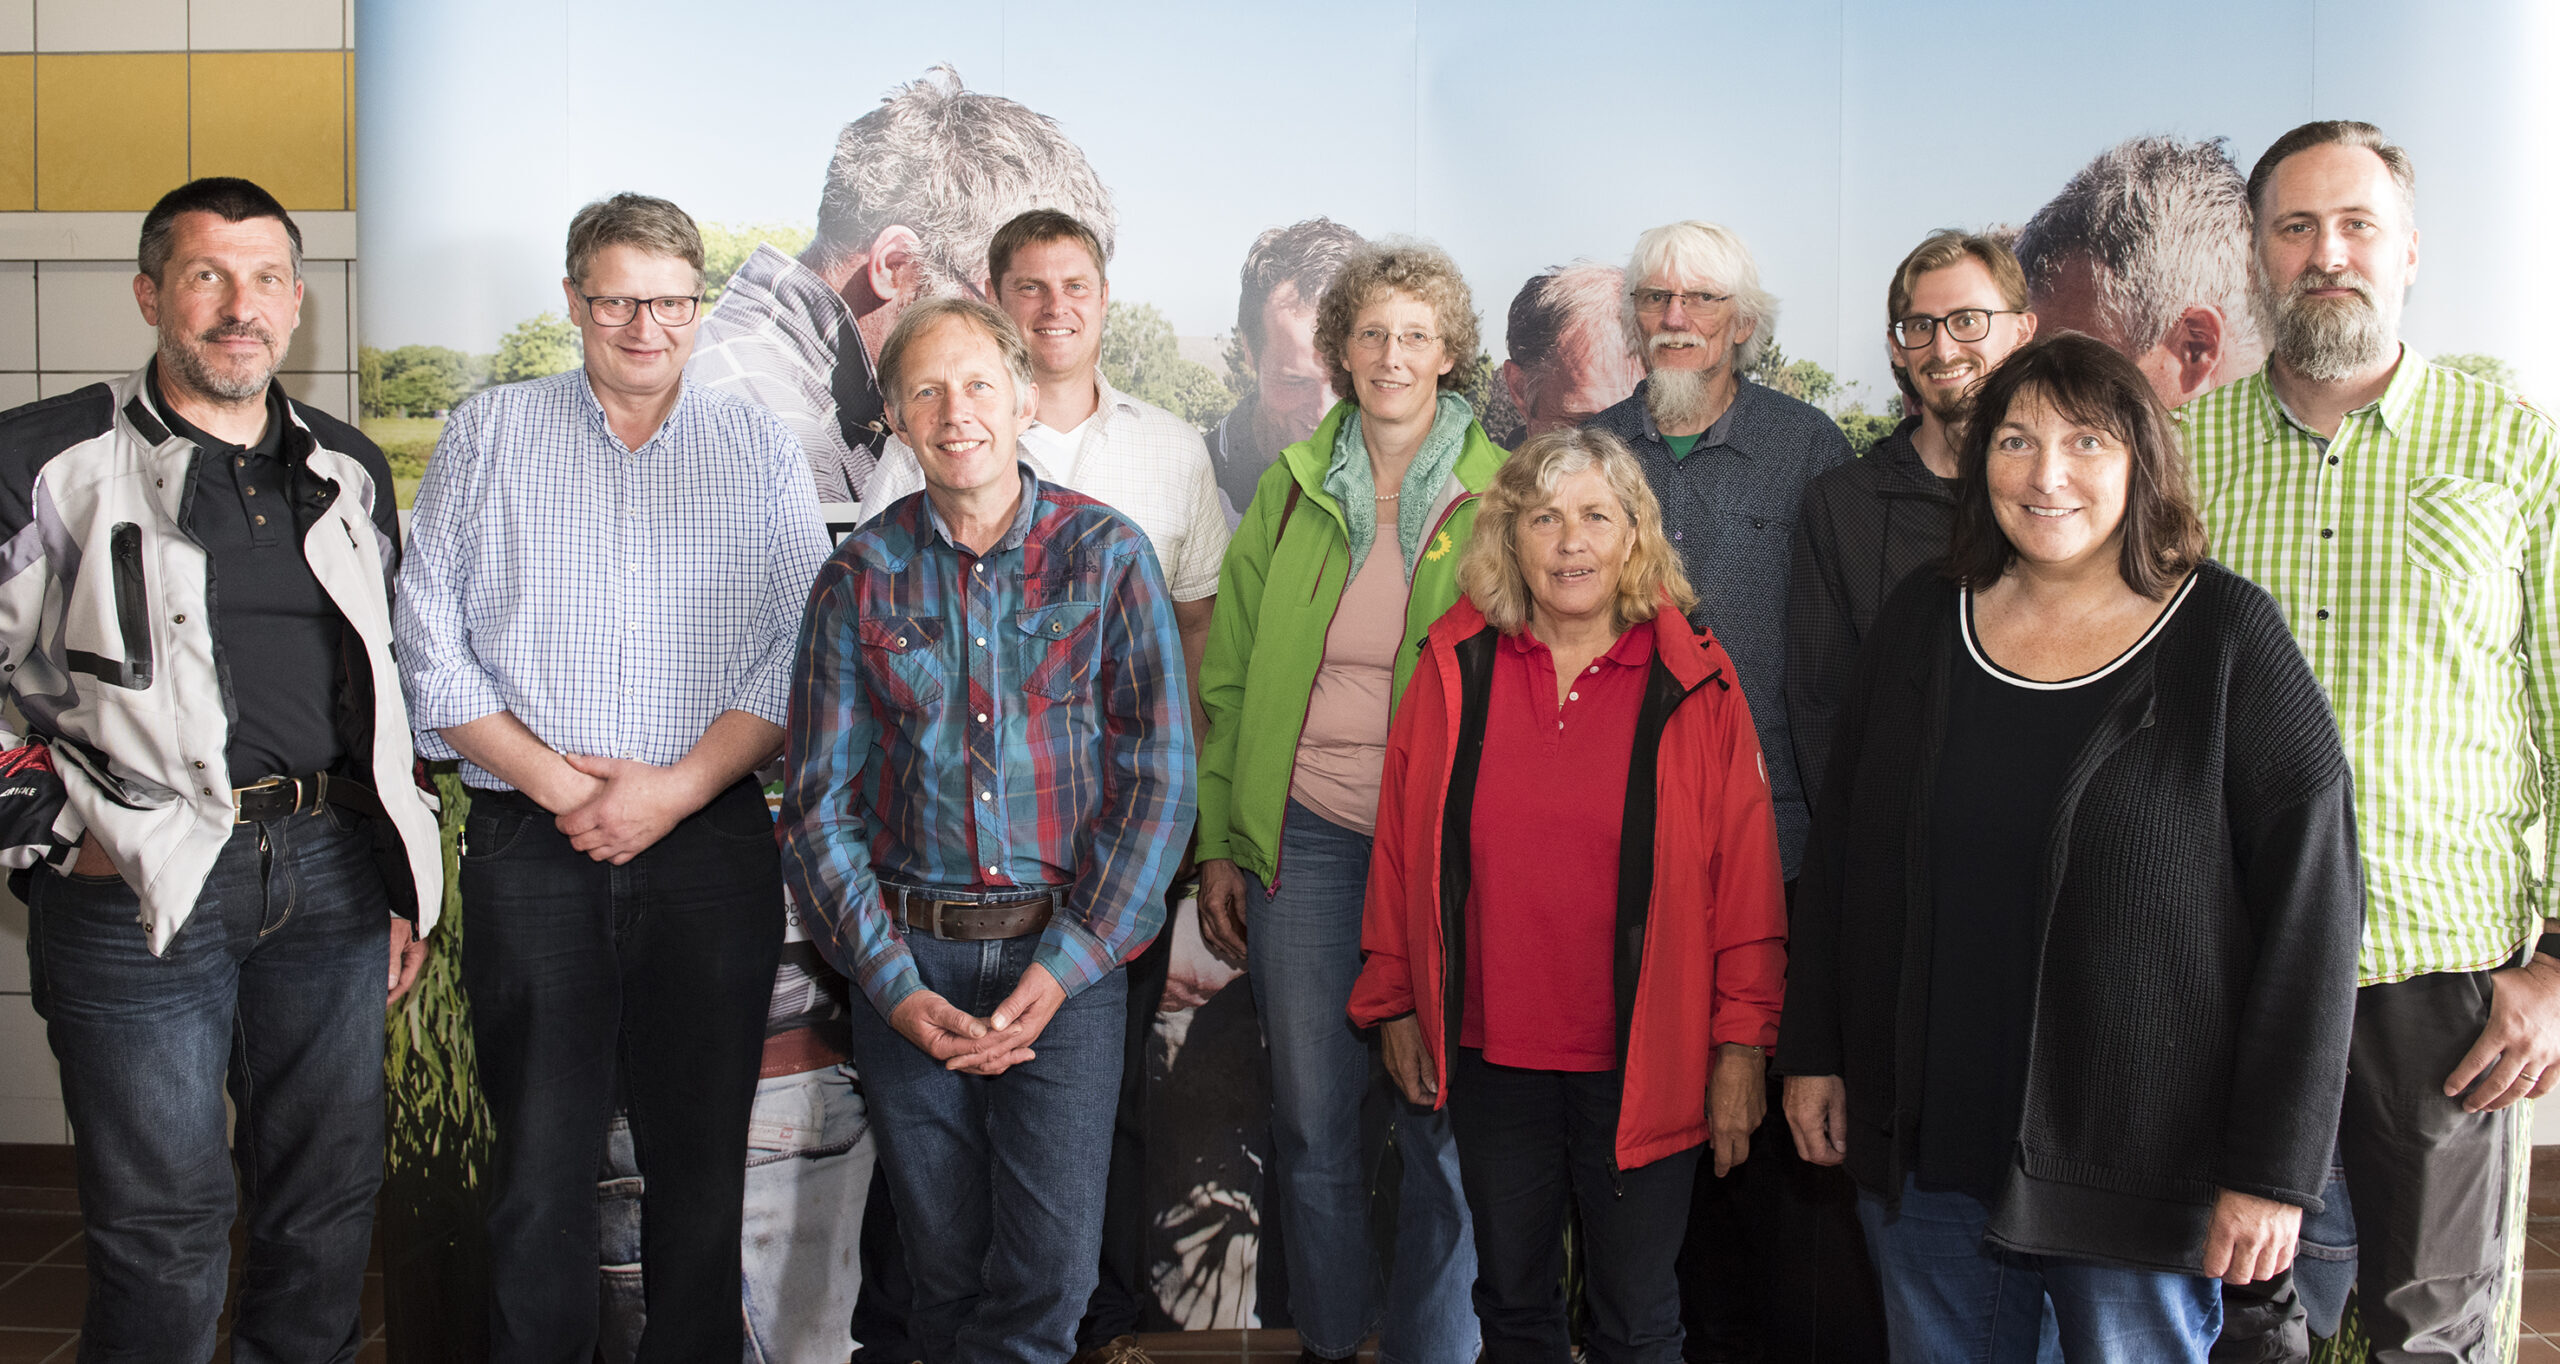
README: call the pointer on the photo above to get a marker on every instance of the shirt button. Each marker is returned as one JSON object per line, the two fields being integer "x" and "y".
{"x": 1573, "y": 696}
{"x": 1595, "y": 667}
{"x": 199, "y": 763}
{"x": 982, "y": 641}
{"x": 2333, "y": 459}
{"x": 2322, "y": 613}
{"x": 249, "y": 492}
{"x": 902, "y": 641}
{"x": 180, "y": 619}
{"x": 979, "y": 568}
{"x": 1676, "y": 535}
{"x": 259, "y": 519}
{"x": 986, "y": 795}
{"x": 2325, "y": 532}
{"x": 993, "y": 872}
{"x": 982, "y": 717}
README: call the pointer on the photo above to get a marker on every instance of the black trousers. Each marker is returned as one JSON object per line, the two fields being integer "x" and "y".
{"x": 1531, "y": 1145}
{"x": 657, "y": 971}
{"x": 2433, "y": 1187}
{"x": 1120, "y": 1294}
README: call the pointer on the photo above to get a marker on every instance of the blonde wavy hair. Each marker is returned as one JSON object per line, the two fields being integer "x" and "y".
{"x": 1490, "y": 571}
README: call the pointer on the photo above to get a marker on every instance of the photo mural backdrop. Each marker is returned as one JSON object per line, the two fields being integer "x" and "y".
{"x": 1236, "y": 152}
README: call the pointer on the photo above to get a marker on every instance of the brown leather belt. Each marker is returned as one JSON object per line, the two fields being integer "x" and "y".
{"x": 279, "y": 797}
{"x": 969, "y": 919}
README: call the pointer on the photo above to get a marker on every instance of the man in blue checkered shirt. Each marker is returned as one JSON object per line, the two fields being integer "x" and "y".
{"x": 605, "y": 579}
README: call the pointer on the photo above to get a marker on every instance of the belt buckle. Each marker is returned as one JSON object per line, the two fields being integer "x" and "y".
{"x": 238, "y": 816}
{"x": 933, "y": 920}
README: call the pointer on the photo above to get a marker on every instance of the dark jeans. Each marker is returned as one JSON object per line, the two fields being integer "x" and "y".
{"x": 1120, "y": 1296}
{"x": 659, "y": 969}
{"x": 1530, "y": 1143}
{"x": 275, "y": 986}
{"x": 999, "y": 1180}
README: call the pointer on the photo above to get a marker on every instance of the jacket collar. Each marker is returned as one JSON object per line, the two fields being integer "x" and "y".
{"x": 1692, "y": 658}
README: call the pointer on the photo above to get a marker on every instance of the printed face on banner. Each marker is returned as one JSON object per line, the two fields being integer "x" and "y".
{"x": 643, "y": 358}
{"x": 1055, "y": 292}
{"x": 1946, "y": 371}
{"x": 1292, "y": 388}
{"x": 957, "y": 408}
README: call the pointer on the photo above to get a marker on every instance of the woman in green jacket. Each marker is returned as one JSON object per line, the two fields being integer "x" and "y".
{"x": 1347, "y": 554}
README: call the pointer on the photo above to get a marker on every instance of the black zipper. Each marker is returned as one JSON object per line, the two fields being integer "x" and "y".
{"x": 133, "y": 616}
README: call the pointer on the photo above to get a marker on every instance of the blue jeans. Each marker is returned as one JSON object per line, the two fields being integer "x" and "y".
{"x": 1331, "y": 1107}
{"x": 656, "y": 973}
{"x": 998, "y": 1180}
{"x": 275, "y": 985}
{"x": 1949, "y": 1296}
{"x": 809, "y": 1159}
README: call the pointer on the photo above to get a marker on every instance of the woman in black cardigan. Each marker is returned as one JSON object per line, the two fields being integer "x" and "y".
{"x": 2073, "y": 958}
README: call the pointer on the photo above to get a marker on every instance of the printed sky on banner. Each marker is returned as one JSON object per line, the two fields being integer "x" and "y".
{"x": 1831, "y": 135}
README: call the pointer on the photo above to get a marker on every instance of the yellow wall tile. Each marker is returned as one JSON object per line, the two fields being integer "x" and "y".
{"x": 350, "y": 78}
{"x": 111, "y": 129}
{"x": 17, "y": 133}
{"x": 278, "y": 118}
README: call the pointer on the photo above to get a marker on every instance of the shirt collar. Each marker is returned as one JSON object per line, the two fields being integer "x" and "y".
{"x": 2392, "y": 407}
{"x": 269, "y": 444}
{"x": 595, "y": 411}
{"x": 1025, "y": 513}
{"x": 784, "y": 289}
{"x": 1634, "y": 649}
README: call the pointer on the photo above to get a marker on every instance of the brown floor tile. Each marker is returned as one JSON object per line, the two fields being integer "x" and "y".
{"x": 2543, "y": 1200}
{"x": 38, "y": 1198}
{"x": 31, "y": 1347}
{"x": 2542, "y": 1301}
{"x": 373, "y": 1352}
{"x": 46, "y": 1297}
{"x": 2532, "y": 1349}
{"x": 29, "y": 1237}
{"x": 2538, "y": 1252}
{"x": 44, "y": 1166}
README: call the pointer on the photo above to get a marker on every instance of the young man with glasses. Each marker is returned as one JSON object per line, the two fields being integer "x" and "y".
{"x": 1956, "y": 308}
{"x": 1729, "y": 460}
{"x": 604, "y": 584}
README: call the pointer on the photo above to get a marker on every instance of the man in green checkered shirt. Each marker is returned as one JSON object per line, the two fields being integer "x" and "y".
{"x": 2404, "y": 515}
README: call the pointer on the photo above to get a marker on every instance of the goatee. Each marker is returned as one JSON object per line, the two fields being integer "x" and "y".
{"x": 1679, "y": 399}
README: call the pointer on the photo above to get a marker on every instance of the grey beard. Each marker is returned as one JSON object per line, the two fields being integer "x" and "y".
{"x": 192, "y": 372}
{"x": 1676, "y": 397}
{"x": 2324, "y": 343}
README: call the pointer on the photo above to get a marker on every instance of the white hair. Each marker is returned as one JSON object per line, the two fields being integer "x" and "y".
{"x": 1713, "y": 256}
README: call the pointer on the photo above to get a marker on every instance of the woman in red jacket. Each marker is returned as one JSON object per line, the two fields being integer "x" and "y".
{"x": 1574, "y": 913}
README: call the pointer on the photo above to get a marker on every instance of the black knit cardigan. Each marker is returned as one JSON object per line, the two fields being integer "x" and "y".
{"x": 2202, "y": 915}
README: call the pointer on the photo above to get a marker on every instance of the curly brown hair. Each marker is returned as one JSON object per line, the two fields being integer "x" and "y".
{"x": 1402, "y": 266}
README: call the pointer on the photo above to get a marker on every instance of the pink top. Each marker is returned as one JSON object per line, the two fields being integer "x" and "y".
{"x": 1342, "y": 751}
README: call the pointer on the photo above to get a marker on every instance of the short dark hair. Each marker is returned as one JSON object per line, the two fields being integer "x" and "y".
{"x": 2086, "y": 379}
{"x": 2338, "y": 132}
{"x": 1308, "y": 254}
{"x": 227, "y": 197}
{"x": 1032, "y": 229}
{"x": 638, "y": 220}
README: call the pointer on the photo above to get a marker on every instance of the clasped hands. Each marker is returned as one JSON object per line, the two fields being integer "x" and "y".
{"x": 981, "y": 1046}
{"x": 614, "y": 808}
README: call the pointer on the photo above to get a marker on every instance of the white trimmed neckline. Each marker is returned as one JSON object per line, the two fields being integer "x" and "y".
{"x": 1964, "y": 627}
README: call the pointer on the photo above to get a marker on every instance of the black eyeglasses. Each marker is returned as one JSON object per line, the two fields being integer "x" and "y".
{"x": 1964, "y": 324}
{"x": 671, "y": 310}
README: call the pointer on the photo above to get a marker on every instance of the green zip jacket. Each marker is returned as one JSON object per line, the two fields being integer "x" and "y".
{"x": 1283, "y": 577}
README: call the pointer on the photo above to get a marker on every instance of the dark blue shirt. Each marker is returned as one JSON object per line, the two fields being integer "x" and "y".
{"x": 1730, "y": 508}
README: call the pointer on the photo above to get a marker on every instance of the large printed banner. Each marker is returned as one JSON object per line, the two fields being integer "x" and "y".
{"x": 1232, "y": 154}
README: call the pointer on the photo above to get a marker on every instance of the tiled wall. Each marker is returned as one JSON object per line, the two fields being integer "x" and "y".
{"x": 105, "y": 105}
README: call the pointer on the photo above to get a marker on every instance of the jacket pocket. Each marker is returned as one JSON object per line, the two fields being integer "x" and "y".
{"x": 902, "y": 660}
{"x": 1058, "y": 645}
{"x": 133, "y": 616}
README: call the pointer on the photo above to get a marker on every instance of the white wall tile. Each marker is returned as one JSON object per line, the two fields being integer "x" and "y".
{"x": 58, "y": 383}
{"x": 27, "y": 1070}
{"x": 256, "y": 25}
{"x": 17, "y": 315}
{"x": 320, "y": 340}
{"x": 328, "y": 392}
{"x": 17, "y": 25}
{"x": 35, "y": 1122}
{"x": 111, "y": 25}
{"x": 16, "y": 390}
{"x": 86, "y": 318}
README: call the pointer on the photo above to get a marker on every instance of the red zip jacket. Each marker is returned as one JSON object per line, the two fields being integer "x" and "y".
{"x": 1700, "y": 957}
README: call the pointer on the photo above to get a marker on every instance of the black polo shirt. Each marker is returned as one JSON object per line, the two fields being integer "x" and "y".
{"x": 277, "y": 637}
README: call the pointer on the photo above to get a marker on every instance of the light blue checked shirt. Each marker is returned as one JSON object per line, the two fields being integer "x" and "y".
{"x": 616, "y": 600}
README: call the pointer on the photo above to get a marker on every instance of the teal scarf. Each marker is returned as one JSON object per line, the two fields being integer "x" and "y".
{"x": 1353, "y": 485}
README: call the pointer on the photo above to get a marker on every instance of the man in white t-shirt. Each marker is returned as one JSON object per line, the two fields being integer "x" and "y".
{"x": 1045, "y": 269}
